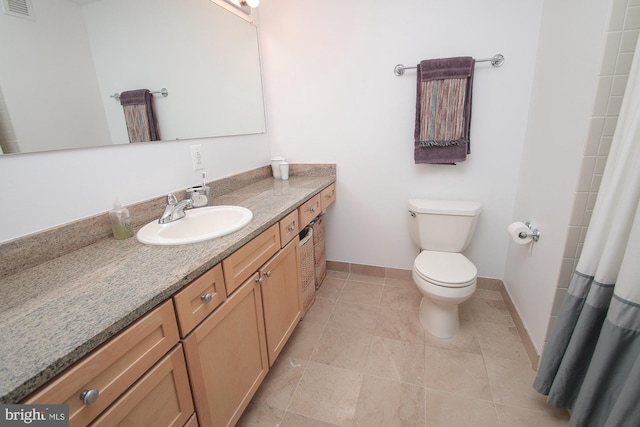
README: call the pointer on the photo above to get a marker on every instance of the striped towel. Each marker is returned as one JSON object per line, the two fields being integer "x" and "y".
{"x": 443, "y": 110}
{"x": 139, "y": 116}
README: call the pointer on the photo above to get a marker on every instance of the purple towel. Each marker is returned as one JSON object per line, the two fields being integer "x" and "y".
{"x": 139, "y": 116}
{"x": 443, "y": 110}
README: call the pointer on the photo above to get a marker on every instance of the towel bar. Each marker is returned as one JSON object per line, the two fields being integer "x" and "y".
{"x": 164, "y": 92}
{"x": 496, "y": 60}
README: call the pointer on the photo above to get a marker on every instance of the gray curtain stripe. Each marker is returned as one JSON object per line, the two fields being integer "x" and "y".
{"x": 625, "y": 314}
{"x": 610, "y": 392}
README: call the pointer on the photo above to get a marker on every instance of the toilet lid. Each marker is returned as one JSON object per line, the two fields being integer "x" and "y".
{"x": 447, "y": 269}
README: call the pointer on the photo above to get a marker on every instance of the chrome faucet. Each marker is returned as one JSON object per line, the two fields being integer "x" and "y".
{"x": 174, "y": 210}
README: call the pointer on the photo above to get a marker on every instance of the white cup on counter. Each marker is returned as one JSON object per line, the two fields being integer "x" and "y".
{"x": 284, "y": 170}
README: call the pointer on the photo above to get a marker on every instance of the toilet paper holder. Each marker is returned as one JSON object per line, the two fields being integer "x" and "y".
{"x": 535, "y": 233}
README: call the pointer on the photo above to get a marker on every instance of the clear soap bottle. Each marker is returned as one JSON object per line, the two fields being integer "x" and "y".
{"x": 120, "y": 221}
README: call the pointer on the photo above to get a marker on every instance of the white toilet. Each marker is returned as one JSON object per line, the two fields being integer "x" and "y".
{"x": 442, "y": 229}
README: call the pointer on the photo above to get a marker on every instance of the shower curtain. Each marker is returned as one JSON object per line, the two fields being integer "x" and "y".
{"x": 592, "y": 361}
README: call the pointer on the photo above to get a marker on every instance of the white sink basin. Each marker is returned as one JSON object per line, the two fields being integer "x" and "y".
{"x": 198, "y": 225}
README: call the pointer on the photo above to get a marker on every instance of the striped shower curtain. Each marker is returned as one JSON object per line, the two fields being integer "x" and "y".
{"x": 592, "y": 361}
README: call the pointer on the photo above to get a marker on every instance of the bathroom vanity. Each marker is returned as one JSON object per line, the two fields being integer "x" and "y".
{"x": 123, "y": 331}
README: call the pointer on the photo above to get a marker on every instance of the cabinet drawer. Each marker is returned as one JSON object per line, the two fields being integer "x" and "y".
{"x": 328, "y": 196}
{"x": 200, "y": 298}
{"x": 245, "y": 261}
{"x": 289, "y": 228}
{"x": 114, "y": 367}
{"x": 162, "y": 397}
{"x": 309, "y": 210}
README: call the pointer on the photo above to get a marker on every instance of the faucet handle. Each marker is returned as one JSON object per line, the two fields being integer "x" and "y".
{"x": 172, "y": 199}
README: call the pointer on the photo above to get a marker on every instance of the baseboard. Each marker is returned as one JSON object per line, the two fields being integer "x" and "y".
{"x": 483, "y": 283}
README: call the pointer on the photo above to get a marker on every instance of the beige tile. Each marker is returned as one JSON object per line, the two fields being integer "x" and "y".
{"x": 518, "y": 417}
{"x": 328, "y": 394}
{"x": 259, "y": 414}
{"x": 452, "y": 410}
{"x": 343, "y": 348}
{"x": 399, "y": 282}
{"x": 487, "y": 294}
{"x": 320, "y": 311}
{"x": 367, "y": 270}
{"x": 296, "y": 420}
{"x": 511, "y": 384}
{"x": 465, "y": 340}
{"x": 336, "y": 268}
{"x": 353, "y": 316}
{"x": 281, "y": 381}
{"x": 395, "y": 273}
{"x": 398, "y": 360}
{"x": 490, "y": 311}
{"x": 400, "y": 325}
{"x": 302, "y": 341}
{"x": 501, "y": 341}
{"x": 456, "y": 372}
{"x": 401, "y": 298}
{"x": 490, "y": 284}
{"x": 365, "y": 278}
{"x": 331, "y": 288}
{"x": 361, "y": 293}
{"x": 389, "y": 403}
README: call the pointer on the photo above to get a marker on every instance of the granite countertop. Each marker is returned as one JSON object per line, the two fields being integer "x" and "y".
{"x": 53, "y": 314}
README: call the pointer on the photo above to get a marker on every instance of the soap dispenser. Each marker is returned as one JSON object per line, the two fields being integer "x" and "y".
{"x": 120, "y": 221}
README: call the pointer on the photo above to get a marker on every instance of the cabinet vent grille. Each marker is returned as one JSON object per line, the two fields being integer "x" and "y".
{"x": 19, "y": 8}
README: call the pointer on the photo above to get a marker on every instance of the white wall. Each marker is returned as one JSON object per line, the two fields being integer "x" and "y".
{"x": 42, "y": 190}
{"x": 28, "y": 49}
{"x": 564, "y": 91}
{"x": 332, "y": 97}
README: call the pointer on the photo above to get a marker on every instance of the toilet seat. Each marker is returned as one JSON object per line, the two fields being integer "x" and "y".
{"x": 447, "y": 269}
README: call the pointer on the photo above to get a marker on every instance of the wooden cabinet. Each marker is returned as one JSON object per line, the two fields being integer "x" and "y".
{"x": 162, "y": 397}
{"x": 327, "y": 196}
{"x": 309, "y": 210}
{"x": 195, "y": 302}
{"x": 289, "y": 228}
{"x": 226, "y": 356}
{"x": 281, "y": 285}
{"x": 245, "y": 261}
{"x": 111, "y": 369}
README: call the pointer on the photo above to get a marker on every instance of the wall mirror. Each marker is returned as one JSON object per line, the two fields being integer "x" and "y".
{"x": 62, "y": 62}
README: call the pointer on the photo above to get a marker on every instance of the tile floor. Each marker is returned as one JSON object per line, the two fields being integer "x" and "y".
{"x": 361, "y": 358}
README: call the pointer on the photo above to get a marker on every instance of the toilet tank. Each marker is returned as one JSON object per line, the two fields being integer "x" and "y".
{"x": 443, "y": 225}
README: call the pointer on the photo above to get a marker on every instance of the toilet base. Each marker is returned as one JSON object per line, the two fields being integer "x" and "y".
{"x": 440, "y": 320}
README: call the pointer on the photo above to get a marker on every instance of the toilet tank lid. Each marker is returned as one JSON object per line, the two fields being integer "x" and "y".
{"x": 445, "y": 207}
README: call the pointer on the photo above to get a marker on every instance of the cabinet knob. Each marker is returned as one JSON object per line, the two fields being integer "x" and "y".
{"x": 89, "y": 396}
{"x": 312, "y": 209}
{"x": 291, "y": 227}
{"x": 267, "y": 273}
{"x": 206, "y": 297}
{"x": 260, "y": 280}
{"x": 330, "y": 195}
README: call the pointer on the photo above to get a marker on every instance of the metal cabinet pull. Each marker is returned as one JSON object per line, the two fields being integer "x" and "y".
{"x": 267, "y": 273}
{"x": 260, "y": 280}
{"x": 206, "y": 297}
{"x": 89, "y": 396}
{"x": 312, "y": 210}
{"x": 291, "y": 227}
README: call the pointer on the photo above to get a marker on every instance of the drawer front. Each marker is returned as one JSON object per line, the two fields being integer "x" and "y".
{"x": 245, "y": 261}
{"x": 328, "y": 196}
{"x": 114, "y": 367}
{"x": 309, "y": 210}
{"x": 289, "y": 228}
{"x": 199, "y": 299}
{"x": 162, "y": 397}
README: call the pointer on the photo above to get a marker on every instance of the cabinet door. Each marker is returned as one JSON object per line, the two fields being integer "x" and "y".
{"x": 328, "y": 196}
{"x": 161, "y": 398}
{"x": 199, "y": 299}
{"x": 112, "y": 368}
{"x": 244, "y": 262}
{"x": 281, "y": 297}
{"x": 309, "y": 210}
{"x": 226, "y": 356}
